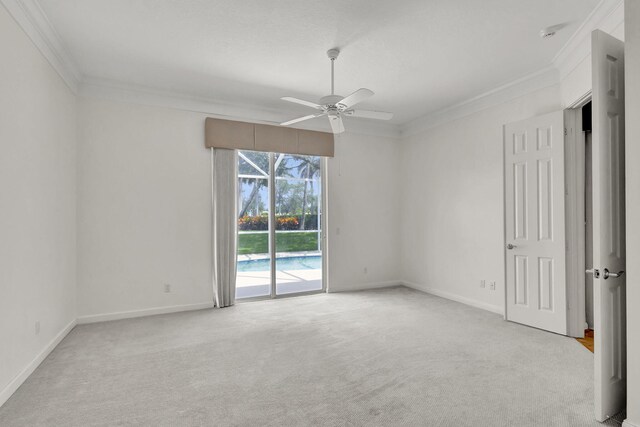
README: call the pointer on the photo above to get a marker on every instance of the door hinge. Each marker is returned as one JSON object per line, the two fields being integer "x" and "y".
{"x": 565, "y": 131}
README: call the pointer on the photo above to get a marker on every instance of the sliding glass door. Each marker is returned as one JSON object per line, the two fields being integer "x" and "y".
{"x": 254, "y": 260}
{"x": 298, "y": 261}
{"x": 280, "y": 237}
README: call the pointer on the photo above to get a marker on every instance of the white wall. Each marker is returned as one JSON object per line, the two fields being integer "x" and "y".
{"x": 37, "y": 205}
{"x": 452, "y": 183}
{"x": 144, "y": 199}
{"x": 144, "y": 208}
{"x": 632, "y": 113}
{"x": 452, "y": 202}
{"x": 364, "y": 205}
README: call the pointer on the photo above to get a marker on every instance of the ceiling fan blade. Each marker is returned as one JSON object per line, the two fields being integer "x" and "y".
{"x": 355, "y": 98}
{"x": 302, "y": 102}
{"x": 300, "y": 119}
{"x": 336, "y": 124}
{"x": 368, "y": 114}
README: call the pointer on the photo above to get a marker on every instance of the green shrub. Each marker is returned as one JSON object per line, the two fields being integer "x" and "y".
{"x": 284, "y": 222}
{"x": 287, "y": 223}
{"x": 253, "y": 223}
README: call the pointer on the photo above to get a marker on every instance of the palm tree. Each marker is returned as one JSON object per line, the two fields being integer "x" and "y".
{"x": 262, "y": 161}
{"x": 306, "y": 167}
{"x": 309, "y": 167}
{"x": 257, "y": 185}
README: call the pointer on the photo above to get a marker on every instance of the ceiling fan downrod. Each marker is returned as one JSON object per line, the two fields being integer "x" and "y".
{"x": 333, "y": 54}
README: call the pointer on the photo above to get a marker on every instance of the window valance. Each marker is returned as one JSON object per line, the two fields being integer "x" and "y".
{"x": 235, "y": 135}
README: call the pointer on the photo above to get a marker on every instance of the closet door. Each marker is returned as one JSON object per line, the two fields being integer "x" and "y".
{"x": 535, "y": 223}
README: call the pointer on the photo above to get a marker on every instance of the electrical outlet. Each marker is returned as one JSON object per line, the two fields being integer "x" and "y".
{"x": 167, "y": 288}
{"x": 492, "y": 286}
{"x": 37, "y": 327}
{"x": 482, "y": 284}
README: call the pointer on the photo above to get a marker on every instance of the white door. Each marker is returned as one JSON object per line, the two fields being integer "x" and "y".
{"x": 608, "y": 224}
{"x": 535, "y": 223}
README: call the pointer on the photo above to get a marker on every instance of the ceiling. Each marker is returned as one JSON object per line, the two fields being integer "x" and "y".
{"x": 418, "y": 56}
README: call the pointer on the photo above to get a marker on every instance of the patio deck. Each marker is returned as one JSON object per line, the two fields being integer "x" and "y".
{"x": 257, "y": 283}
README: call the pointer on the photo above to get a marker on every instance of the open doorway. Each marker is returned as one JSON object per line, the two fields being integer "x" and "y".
{"x": 586, "y": 139}
{"x": 579, "y": 220}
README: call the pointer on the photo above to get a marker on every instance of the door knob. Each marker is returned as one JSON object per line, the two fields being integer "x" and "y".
{"x": 510, "y": 246}
{"x": 606, "y": 274}
{"x": 595, "y": 272}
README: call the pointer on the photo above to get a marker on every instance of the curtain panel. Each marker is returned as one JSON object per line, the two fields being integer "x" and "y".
{"x": 224, "y": 179}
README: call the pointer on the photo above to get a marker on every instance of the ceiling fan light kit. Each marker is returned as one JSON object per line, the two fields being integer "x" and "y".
{"x": 335, "y": 106}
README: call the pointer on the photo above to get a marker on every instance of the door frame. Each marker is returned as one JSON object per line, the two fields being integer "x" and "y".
{"x": 574, "y": 216}
{"x": 323, "y": 235}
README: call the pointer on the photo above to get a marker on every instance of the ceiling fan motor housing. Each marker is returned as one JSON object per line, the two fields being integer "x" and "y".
{"x": 331, "y": 100}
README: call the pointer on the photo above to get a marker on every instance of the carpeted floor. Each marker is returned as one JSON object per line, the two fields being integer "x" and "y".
{"x": 391, "y": 357}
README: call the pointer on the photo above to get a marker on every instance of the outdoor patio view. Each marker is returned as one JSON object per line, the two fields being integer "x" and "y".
{"x": 293, "y": 220}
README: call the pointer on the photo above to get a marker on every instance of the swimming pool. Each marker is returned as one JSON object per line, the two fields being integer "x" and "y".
{"x": 282, "y": 263}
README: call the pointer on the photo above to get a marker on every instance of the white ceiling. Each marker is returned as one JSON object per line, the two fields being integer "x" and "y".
{"x": 418, "y": 56}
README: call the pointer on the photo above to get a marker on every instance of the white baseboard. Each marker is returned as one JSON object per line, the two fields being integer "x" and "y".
{"x": 364, "y": 286}
{"x": 448, "y": 295}
{"x": 104, "y": 317}
{"x": 627, "y": 423}
{"x": 17, "y": 381}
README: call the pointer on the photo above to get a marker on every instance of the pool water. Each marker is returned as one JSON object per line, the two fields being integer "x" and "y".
{"x": 284, "y": 263}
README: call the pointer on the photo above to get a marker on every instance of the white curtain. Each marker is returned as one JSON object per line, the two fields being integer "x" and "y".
{"x": 224, "y": 179}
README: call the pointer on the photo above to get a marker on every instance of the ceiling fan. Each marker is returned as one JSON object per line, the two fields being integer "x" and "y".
{"x": 335, "y": 106}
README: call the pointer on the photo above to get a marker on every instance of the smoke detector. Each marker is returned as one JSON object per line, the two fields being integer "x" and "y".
{"x": 547, "y": 32}
{"x": 551, "y": 31}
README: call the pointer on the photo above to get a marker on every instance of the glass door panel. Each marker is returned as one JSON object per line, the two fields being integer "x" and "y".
{"x": 279, "y": 224}
{"x": 253, "y": 277}
{"x": 298, "y": 219}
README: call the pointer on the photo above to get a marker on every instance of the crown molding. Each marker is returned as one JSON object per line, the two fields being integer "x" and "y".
{"x": 112, "y": 90}
{"x": 538, "y": 80}
{"x": 34, "y": 22}
{"x": 607, "y": 16}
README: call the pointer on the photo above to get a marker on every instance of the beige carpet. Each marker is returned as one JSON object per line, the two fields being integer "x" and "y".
{"x": 391, "y": 357}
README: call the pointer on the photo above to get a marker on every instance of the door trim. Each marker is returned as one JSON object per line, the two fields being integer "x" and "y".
{"x": 272, "y": 223}
{"x": 324, "y": 221}
{"x": 574, "y": 218}
{"x": 504, "y": 222}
